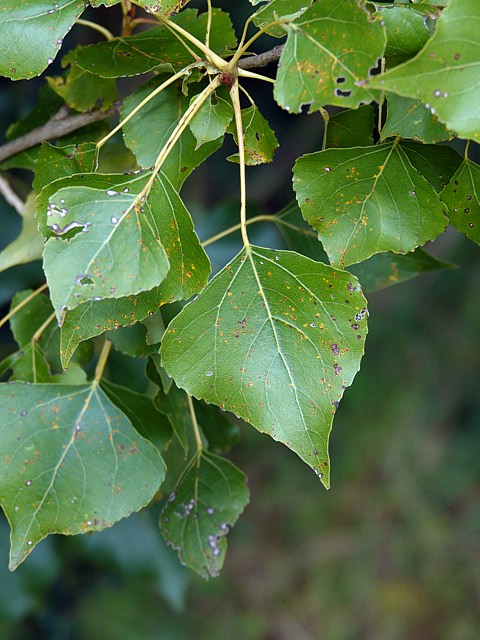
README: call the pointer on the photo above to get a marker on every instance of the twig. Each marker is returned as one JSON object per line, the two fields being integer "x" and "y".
{"x": 10, "y": 196}
{"x": 262, "y": 60}
{"x": 54, "y": 128}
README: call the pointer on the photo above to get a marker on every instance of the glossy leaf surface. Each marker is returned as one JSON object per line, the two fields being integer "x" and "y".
{"x": 72, "y": 463}
{"x": 275, "y": 338}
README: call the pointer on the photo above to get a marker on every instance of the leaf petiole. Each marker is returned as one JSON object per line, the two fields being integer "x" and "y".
{"x": 237, "y": 110}
{"x": 237, "y": 227}
{"x": 102, "y": 361}
{"x": 196, "y": 428}
{"x": 96, "y": 27}
{"x": 22, "y": 304}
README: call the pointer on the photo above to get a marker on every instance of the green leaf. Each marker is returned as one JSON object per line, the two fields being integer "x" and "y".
{"x": 72, "y": 463}
{"x": 174, "y": 406}
{"x": 28, "y": 245}
{"x": 279, "y": 9}
{"x": 366, "y": 200}
{"x": 132, "y": 341}
{"x": 437, "y": 163}
{"x": 259, "y": 140}
{"x": 209, "y": 497}
{"x": 445, "y": 75}
{"x": 31, "y": 34}
{"x": 141, "y": 412}
{"x": 462, "y": 197}
{"x": 407, "y": 31}
{"x": 82, "y": 90}
{"x": 148, "y": 131}
{"x": 59, "y": 162}
{"x": 157, "y": 47}
{"x": 409, "y": 118}
{"x": 275, "y": 338}
{"x": 351, "y": 128}
{"x": 218, "y": 428}
{"x": 117, "y": 248}
{"x": 212, "y": 120}
{"x": 329, "y": 50}
{"x": 386, "y": 269}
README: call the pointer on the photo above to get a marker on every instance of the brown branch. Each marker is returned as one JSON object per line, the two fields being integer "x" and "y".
{"x": 10, "y": 196}
{"x": 59, "y": 125}
{"x": 262, "y": 59}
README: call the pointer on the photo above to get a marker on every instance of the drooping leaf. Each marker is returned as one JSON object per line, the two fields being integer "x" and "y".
{"x": 279, "y": 9}
{"x": 259, "y": 140}
{"x": 445, "y": 75}
{"x": 31, "y": 34}
{"x": 148, "y": 131}
{"x": 209, "y": 497}
{"x": 275, "y": 338}
{"x": 437, "y": 163}
{"x": 462, "y": 197}
{"x": 363, "y": 201}
{"x": 28, "y": 245}
{"x": 407, "y": 31}
{"x": 141, "y": 412}
{"x": 212, "y": 120}
{"x": 351, "y": 128}
{"x": 409, "y": 118}
{"x": 82, "y": 90}
{"x": 72, "y": 463}
{"x": 329, "y": 50}
{"x": 386, "y": 269}
{"x": 157, "y": 47}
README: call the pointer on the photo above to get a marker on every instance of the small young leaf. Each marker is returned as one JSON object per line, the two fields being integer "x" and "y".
{"x": 260, "y": 140}
{"x": 73, "y": 463}
{"x": 212, "y": 120}
{"x": 462, "y": 197}
{"x": 445, "y": 75}
{"x": 275, "y": 338}
{"x": 351, "y": 128}
{"x": 409, "y": 118}
{"x": 329, "y": 50}
{"x": 31, "y": 34}
{"x": 209, "y": 497}
{"x": 366, "y": 200}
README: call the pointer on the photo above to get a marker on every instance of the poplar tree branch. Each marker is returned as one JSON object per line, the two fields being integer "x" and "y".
{"x": 262, "y": 59}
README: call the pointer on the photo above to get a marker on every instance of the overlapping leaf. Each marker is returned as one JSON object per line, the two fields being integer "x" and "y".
{"x": 149, "y": 50}
{"x": 409, "y": 118}
{"x": 32, "y": 32}
{"x": 28, "y": 245}
{"x": 446, "y": 73}
{"x": 407, "y": 31}
{"x": 209, "y": 497}
{"x": 275, "y": 338}
{"x": 363, "y": 201}
{"x": 148, "y": 131}
{"x": 212, "y": 120}
{"x": 351, "y": 128}
{"x": 72, "y": 463}
{"x": 260, "y": 142}
{"x": 329, "y": 50}
{"x": 462, "y": 196}
{"x": 279, "y": 10}
{"x": 437, "y": 163}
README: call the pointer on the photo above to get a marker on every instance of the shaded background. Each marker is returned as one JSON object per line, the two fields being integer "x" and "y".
{"x": 391, "y": 552}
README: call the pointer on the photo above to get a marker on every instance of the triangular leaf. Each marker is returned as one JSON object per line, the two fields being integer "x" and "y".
{"x": 211, "y": 120}
{"x": 275, "y": 338}
{"x": 366, "y": 200}
{"x": 409, "y": 118}
{"x": 209, "y": 497}
{"x": 329, "y": 49}
{"x": 445, "y": 75}
{"x": 73, "y": 463}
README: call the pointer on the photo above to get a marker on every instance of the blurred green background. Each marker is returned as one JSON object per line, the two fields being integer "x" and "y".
{"x": 391, "y": 552}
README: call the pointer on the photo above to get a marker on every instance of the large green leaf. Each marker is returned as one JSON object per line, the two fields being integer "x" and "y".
{"x": 32, "y": 32}
{"x": 446, "y": 73}
{"x": 259, "y": 140}
{"x": 275, "y": 338}
{"x": 208, "y": 499}
{"x": 149, "y": 50}
{"x": 366, "y": 200}
{"x": 117, "y": 248}
{"x": 409, "y": 118}
{"x": 462, "y": 196}
{"x": 332, "y": 47}
{"x": 72, "y": 463}
{"x": 148, "y": 131}
{"x": 407, "y": 31}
